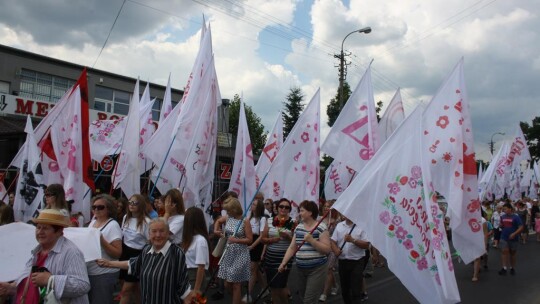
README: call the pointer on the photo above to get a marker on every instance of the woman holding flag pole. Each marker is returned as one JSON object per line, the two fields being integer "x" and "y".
{"x": 311, "y": 244}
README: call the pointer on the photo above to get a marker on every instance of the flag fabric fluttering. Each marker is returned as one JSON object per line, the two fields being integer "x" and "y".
{"x": 298, "y": 159}
{"x": 337, "y": 178}
{"x": 448, "y": 149}
{"x": 268, "y": 154}
{"x": 393, "y": 200}
{"x": 492, "y": 183}
{"x": 166, "y": 107}
{"x": 354, "y": 137}
{"x": 392, "y": 117}
{"x": 30, "y": 188}
{"x": 517, "y": 156}
{"x": 147, "y": 127}
{"x": 126, "y": 173}
{"x": 243, "y": 178}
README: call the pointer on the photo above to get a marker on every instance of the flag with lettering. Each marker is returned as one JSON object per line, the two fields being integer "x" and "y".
{"x": 243, "y": 179}
{"x": 30, "y": 187}
{"x": 354, "y": 137}
{"x": 492, "y": 183}
{"x": 393, "y": 200}
{"x": 336, "y": 179}
{"x": 126, "y": 173}
{"x": 392, "y": 117}
{"x": 298, "y": 159}
{"x": 448, "y": 150}
{"x": 106, "y": 137}
{"x": 271, "y": 149}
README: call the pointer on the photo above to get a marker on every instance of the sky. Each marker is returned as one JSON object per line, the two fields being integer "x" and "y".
{"x": 263, "y": 48}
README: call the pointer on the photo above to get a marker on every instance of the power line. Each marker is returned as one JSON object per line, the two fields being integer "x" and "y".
{"x": 110, "y": 31}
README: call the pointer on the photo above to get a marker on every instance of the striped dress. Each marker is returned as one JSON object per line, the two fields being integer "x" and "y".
{"x": 276, "y": 251}
{"x": 163, "y": 278}
{"x": 308, "y": 256}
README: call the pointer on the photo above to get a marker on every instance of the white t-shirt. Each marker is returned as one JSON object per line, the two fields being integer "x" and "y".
{"x": 176, "y": 226}
{"x": 350, "y": 250}
{"x": 134, "y": 237}
{"x": 257, "y": 225}
{"x": 197, "y": 253}
{"x": 111, "y": 233}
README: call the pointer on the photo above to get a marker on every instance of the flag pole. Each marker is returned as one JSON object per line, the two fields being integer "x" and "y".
{"x": 161, "y": 168}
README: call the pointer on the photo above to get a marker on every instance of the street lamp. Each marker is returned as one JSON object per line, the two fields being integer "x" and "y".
{"x": 365, "y": 30}
{"x": 491, "y": 141}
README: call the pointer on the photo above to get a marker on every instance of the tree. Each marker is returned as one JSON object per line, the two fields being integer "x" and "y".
{"x": 532, "y": 135}
{"x": 293, "y": 109}
{"x": 378, "y": 108}
{"x": 256, "y": 128}
{"x": 333, "y": 109}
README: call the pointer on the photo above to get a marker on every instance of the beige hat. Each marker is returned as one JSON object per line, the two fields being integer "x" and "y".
{"x": 51, "y": 217}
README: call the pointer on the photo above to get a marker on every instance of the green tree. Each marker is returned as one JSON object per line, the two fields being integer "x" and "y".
{"x": 333, "y": 109}
{"x": 293, "y": 108}
{"x": 256, "y": 128}
{"x": 532, "y": 135}
{"x": 378, "y": 109}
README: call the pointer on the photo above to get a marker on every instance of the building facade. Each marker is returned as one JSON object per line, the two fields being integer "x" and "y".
{"x": 30, "y": 84}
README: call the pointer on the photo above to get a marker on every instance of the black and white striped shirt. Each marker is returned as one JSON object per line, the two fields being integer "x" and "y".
{"x": 163, "y": 275}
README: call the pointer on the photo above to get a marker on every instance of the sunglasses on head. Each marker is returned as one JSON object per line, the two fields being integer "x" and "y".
{"x": 133, "y": 203}
{"x": 98, "y": 207}
{"x": 284, "y": 207}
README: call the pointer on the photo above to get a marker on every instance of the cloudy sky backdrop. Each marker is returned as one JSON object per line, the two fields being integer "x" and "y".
{"x": 265, "y": 47}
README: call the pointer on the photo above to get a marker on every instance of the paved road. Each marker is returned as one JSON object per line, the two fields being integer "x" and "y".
{"x": 491, "y": 288}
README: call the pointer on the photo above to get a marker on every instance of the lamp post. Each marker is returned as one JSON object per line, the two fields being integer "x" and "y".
{"x": 365, "y": 30}
{"x": 491, "y": 141}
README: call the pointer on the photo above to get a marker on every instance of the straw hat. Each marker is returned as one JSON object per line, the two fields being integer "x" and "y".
{"x": 51, "y": 217}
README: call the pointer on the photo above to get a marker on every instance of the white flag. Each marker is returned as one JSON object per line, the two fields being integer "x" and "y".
{"x": 126, "y": 174}
{"x": 147, "y": 127}
{"x": 337, "y": 178}
{"x": 299, "y": 157}
{"x": 166, "y": 107}
{"x": 268, "y": 154}
{"x": 392, "y": 117}
{"x": 493, "y": 178}
{"x": 448, "y": 150}
{"x": 354, "y": 137}
{"x": 29, "y": 194}
{"x": 106, "y": 137}
{"x": 243, "y": 178}
{"x": 395, "y": 204}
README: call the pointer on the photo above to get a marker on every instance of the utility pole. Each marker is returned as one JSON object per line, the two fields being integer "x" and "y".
{"x": 343, "y": 63}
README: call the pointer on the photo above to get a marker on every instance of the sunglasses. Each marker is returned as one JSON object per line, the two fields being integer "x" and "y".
{"x": 284, "y": 207}
{"x": 98, "y": 207}
{"x": 133, "y": 203}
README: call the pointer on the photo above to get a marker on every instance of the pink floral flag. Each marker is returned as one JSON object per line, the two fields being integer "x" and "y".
{"x": 298, "y": 159}
{"x": 354, "y": 137}
{"x": 337, "y": 178}
{"x": 126, "y": 173}
{"x": 392, "y": 117}
{"x": 268, "y": 154}
{"x": 243, "y": 178}
{"x": 105, "y": 137}
{"x": 448, "y": 153}
{"x": 395, "y": 203}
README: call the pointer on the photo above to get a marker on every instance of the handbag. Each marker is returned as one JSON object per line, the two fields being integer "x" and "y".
{"x": 50, "y": 298}
{"x": 220, "y": 247}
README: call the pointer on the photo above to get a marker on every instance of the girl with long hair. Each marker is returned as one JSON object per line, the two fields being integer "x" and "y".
{"x": 174, "y": 214}
{"x": 195, "y": 245}
{"x": 257, "y": 220}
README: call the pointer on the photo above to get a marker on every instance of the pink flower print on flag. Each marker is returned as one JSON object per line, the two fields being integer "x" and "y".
{"x": 394, "y": 188}
{"x": 447, "y": 157}
{"x": 305, "y": 137}
{"x": 403, "y": 180}
{"x": 437, "y": 244}
{"x": 473, "y": 206}
{"x": 408, "y": 244}
{"x": 450, "y": 265}
{"x": 413, "y": 183}
{"x": 434, "y": 210}
{"x": 442, "y": 122}
{"x": 401, "y": 233}
{"x": 421, "y": 264}
{"x": 475, "y": 225}
{"x": 385, "y": 217}
{"x": 396, "y": 220}
{"x": 416, "y": 172}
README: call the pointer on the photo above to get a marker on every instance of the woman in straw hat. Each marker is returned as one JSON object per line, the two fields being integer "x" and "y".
{"x": 55, "y": 258}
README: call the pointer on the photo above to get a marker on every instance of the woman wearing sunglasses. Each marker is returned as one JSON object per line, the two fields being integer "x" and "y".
{"x": 277, "y": 236}
{"x": 55, "y": 198}
{"x": 103, "y": 280}
{"x": 135, "y": 237}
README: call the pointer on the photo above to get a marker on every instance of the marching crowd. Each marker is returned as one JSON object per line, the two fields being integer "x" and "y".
{"x": 161, "y": 252}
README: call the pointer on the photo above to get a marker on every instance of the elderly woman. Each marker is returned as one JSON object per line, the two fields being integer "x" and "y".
{"x": 102, "y": 280}
{"x": 55, "y": 258}
{"x": 234, "y": 267}
{"x": 161, "y": 268}
{"x": 174, "y": 214}
{"x": 311, "y": 258}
